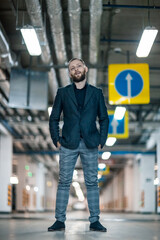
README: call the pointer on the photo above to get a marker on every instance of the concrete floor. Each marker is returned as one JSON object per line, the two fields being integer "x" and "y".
{"x": 120, "y": 226}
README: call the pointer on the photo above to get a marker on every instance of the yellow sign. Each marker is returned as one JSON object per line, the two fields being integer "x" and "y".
{"x": 104, "y": 172}
{"x": 118, "y": 128}
{"x": 129, "y": 83}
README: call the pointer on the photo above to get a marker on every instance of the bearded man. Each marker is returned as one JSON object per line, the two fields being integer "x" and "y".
{"x": 81, "y": 104}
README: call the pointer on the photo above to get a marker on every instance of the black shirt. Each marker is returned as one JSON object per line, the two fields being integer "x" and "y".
{"x": 80, "y": 96}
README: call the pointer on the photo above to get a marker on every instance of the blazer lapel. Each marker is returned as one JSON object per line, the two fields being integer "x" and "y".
{"x": 72, "y": 94}
{"x": 89, "y": 92}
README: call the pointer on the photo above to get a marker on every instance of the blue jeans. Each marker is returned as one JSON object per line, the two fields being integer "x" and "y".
{"x": 89, "y": 159}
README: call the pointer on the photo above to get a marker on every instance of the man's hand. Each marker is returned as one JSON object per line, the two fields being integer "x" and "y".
{"x": 58, "y": 145}
{"x": 99, "y": 147}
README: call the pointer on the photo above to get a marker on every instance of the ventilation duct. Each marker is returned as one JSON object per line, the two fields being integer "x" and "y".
{"x": 95, "y": 26}
{"x": 6, "y": 60}
{"x": 53, "y": 84}
{"x": 55, "y": 16}
{"x": 74, "y": 15}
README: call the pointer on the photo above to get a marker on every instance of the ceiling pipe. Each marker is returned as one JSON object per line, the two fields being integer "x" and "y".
{"x": 55, "y": 16}
{"x": 74, "y": 11}
{"x": 131, "y": 6}
{"x": 95, "y": 26}
{"x": 53, "y": 84}
{"x": 6, "y": 60}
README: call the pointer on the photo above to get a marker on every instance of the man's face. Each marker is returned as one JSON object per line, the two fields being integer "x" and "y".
{"x": 77, "y": 71}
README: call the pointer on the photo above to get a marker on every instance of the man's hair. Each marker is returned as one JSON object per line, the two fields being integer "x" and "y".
{"x": 76, "y": 59}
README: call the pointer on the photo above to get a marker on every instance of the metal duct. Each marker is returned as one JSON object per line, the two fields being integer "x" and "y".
{"x": 95, "y": 26}
{"x": 53, "y": 84}
{"x": 35, "y": 13}
{"x": 5, "y": 52}
{"x": 92, "y": 76}
{"x": 55, "y": 15}
{"x": 74, "y": 15}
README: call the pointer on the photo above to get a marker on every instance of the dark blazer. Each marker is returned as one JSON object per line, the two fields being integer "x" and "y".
{"x": 74, "y": 121}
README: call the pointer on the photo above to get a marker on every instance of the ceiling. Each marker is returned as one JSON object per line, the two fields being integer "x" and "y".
{"x": 101, "y": 33}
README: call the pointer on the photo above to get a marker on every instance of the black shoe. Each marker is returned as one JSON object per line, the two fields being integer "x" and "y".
{"x": 57, "y": 226}
{"x": 97, "y": 226}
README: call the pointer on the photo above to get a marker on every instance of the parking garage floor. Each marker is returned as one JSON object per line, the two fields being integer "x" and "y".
{"x": 119, "y": 225}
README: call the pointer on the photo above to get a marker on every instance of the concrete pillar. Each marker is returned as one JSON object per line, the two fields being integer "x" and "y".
{"x": 136, "y": 184}
{"x": 128, "y": 187}
{"x": 118, "y": 191}
{"x": 106, "y": 197}
{"x": 5, "y": 170}
{"x": 147, "y": 183}
{"x": 21, "y": 193}
{"x": 158, "y": 174}
{"x": 50, "y": 191}
{"x": 40, "y": 184}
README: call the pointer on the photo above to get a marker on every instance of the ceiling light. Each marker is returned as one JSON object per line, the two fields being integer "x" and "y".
{"x": 156, "y": 167}
{"x": 147, "y": 39}
{"x": 28, "y": 187}
{"x": 111, "y": 141}
{"x": 119, "y": 113}
{"x": 49, "y": 110}
{"x": 31, "y": 40}
{"x": 36, "y": 189}
{"x": 156, "y": 181}
{"x": 106, "y": 155}
{"x": 14, "y": 180}
{"x": 101, "y": 166}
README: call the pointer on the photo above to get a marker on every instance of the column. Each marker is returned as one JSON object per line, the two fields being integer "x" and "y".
{"x": 5, "y": 170}
{"x": 128, "y": 186}
{"x": 22, "y": 198}
{"x": 136, "y": 183}
{"x": 147, "y": 183}
{"x": 158, "y": 174}
{"x": 40, "y": 184}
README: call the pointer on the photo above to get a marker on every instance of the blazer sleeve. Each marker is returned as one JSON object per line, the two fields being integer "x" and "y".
{"x": 103, "y": 119}
{"x": 55, "y": 117}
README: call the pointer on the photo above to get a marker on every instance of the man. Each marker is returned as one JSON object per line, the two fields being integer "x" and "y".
{"x": 81, "y": 103}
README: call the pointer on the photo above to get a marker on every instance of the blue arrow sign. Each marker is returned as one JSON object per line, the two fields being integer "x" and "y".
{"x": 129, "y": 83}
{"x": 116, "y": 126}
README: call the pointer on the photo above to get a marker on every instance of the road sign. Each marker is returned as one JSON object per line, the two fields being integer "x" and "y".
{"x": 118, "y": 128}
{"x": 129, "y": 83}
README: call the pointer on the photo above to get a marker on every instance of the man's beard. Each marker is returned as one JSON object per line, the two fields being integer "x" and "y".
{"x": 79, "y": 79}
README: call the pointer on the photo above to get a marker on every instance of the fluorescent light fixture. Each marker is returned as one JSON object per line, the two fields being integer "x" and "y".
{"x": 31, "y": 40}
{"x": 147, "y": 39}
{"x": 106, "y": 155}
{"x": 156, "y": 181}
{"x": 111, "y": 141}
{"x": 156, "y": 167}
{"x": 75, "y": 176}
{"x": 28, "y": 187}
{"x": 49, "y": 110}
{"x": 14, "y": 180}
{"x": 101, "y": 166}
{"x": 119, "y": 113}
{"x": 78, "y": 190}
{"x": 99, "y": 176}
{"x": 36, "y": 189}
